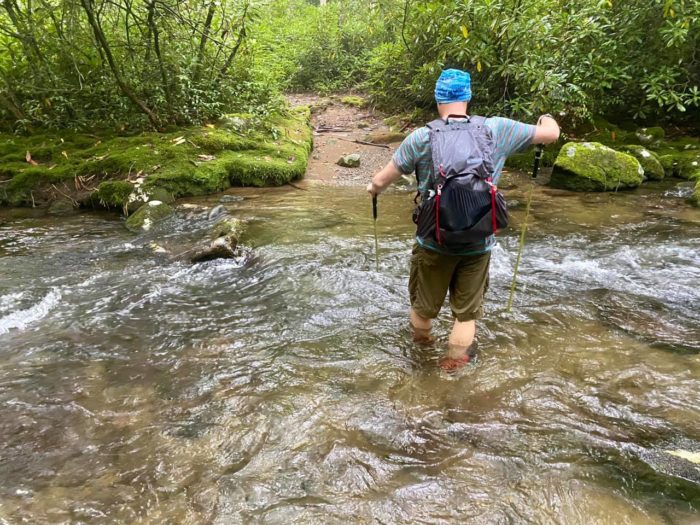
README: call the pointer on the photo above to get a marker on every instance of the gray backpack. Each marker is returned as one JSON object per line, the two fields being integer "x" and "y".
{"x": 461, "y": 206}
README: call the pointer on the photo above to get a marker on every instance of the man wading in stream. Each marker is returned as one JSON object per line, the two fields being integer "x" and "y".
{"x": 452, "y": 261}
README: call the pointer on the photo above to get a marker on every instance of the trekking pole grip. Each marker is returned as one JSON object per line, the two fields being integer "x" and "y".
{"x": 536, "y": 163}
{"x": 374, "y": 207}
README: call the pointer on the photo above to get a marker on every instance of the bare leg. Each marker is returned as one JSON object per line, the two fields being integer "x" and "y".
{"x": 420, "y": 328}
{"x": 461, "y": 338}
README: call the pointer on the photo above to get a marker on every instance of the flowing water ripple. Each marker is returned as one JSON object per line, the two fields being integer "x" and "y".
{"x": 283, "y": 387}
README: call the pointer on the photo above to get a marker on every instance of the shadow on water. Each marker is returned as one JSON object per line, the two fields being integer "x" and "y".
{"x": 283, "y": 387}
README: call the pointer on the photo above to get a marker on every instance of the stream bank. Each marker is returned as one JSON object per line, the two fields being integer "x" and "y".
{"x": 121, "y": 173}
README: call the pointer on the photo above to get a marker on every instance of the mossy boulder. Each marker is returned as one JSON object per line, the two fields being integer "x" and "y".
{"x": 653, "y": 169}
{"x": 62, "y": 207}
{"x": 668, "y": 163}
{"x": 354, "y": 101}
{"x": 148, "y": 215}
{"x": 162, "y": 195}
{"x": 222, "y": 243}
{"x": 349, "y": 161}
{"x": 684, "y": 164}
{"x": 590, "y": 166}
{"x": 695, "y": 197}
{"x": 650, "y": 135}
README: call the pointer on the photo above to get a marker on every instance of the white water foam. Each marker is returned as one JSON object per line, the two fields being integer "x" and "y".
{"x": 8, "y": 301}
{"x": 20, "y": 319}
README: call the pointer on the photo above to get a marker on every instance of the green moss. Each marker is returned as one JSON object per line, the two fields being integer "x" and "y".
{"x": 695, "y": 197}
{"x": 650, "y": 135}
{"x": 684, "y": 164}
{"x": 594, "y": 167}
{"x": 114, "y": 193}
{"x": 354, "y": 101}
{"x": 193, "y": 161}
{"x": 653, "y": 169}
{"x": 148, "y": 215}
{"x": 609, "y": 134}
{"x": 253, "y": 169}
{"x": 223, "y": 139}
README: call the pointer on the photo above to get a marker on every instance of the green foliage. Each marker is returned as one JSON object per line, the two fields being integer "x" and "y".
{"x": 130, "y": 65}
{"x": 322, "y": 48}
{"x": 123, "y": 64}
{"x": 629, "y": 58}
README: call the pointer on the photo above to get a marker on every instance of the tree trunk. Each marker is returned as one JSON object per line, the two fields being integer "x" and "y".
{"x": 234, "y": 51}
{"x": 11, "y": 106}
{"x": 102, "y": 43}
{"x": 153, "y": 28}
{"x": 203, "y": 42}
{"x": 231, "y": 56}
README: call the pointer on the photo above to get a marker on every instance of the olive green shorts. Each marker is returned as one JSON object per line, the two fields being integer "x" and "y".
{"x": 433, "y": 274}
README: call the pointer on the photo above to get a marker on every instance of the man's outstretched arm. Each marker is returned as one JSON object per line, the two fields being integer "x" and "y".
{"x": 383, "y": 179}
{"x": 547, "y": 130}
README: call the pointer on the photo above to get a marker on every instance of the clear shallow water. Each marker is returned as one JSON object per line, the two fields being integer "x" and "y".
{"x": 283, "y": 387}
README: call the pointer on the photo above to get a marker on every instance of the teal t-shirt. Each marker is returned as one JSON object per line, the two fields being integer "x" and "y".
{"x": 415, "y": 155}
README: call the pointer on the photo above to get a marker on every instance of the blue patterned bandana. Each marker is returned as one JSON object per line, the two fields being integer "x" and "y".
{"x": 453, "y": 86}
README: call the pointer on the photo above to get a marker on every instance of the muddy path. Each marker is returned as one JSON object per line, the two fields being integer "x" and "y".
{"x": 337, "y": 125}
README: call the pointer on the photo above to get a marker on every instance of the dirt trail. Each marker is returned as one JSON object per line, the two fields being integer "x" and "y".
{"x": 354, "y": 124}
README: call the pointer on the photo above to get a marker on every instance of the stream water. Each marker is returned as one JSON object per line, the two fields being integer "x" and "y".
{"x": 283, "y": 387}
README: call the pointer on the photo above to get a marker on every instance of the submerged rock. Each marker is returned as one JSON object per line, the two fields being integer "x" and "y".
{"x": 349, "y": 161}
{"x": 146, "y": 216}
{"x": 230, "y": 198}
{"x": 221, "y": 243}
{"x": 653, "y": 170}
{"x": 679, "y": 463}
{"x": 216, "y": 212}
{"x": 62, "y": 207}
{"x": 591, "y": 166}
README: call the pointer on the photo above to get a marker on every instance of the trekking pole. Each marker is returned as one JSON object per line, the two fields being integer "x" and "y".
{"x": 376, "y": 239}
{"x": 535, "y": 167}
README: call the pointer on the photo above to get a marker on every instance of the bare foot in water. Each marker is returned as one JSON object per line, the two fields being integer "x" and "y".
{"x": 422, "y": 336}
{"x": 451, "y": 364}
{"x": 457, "y": 357}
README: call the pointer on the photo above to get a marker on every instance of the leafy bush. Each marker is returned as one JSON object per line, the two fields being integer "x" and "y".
{"x": 321, "y": 48}
{"x": 633, "y": 57}
{"x": 124, "y": 64}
